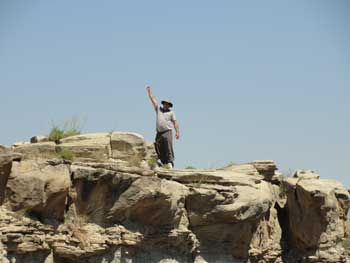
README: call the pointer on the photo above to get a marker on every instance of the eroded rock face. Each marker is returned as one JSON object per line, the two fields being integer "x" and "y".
{"x": 107, "y": 206}
{"x": 317, "y": 210}
{"x": 39, "y": 188}
{"x": 233, "y": 218}
{"x": 26, "y": 240}
{"x": 5, "y": 170}
{"x": 96, "y": 191}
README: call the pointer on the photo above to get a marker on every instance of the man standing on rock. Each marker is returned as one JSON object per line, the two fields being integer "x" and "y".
{"x": 166, "y": 121}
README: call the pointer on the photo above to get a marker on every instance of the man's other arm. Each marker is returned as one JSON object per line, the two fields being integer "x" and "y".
{"x": 176, "y": 126}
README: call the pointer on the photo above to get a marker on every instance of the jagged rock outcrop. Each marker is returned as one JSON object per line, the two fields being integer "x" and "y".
{"x": 108, "y": 205}
{"x": 232, "y": 214}
{"x": 317, "y": 217}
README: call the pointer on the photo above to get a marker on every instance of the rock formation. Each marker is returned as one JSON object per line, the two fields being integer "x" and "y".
{"x": 109, "y": 203}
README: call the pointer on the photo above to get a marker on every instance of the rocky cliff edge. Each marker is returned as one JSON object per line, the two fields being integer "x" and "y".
{"x": 110, "y": 203}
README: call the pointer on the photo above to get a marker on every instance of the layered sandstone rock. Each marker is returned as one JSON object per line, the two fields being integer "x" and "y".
{"x": 34, "y": 151}
{"x": 94, "y": 146}
{"x": 317, "y": 217}
{"x": 124, "y": 147}
{"x": 107, "y": 205}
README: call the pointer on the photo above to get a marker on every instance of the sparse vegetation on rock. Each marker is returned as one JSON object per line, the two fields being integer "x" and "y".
{"x": 70, "y": 127}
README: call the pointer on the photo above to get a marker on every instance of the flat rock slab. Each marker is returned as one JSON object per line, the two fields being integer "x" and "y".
{"x": 44, "y": 150}
{"x": 199, "y": 177}
{"x": 93, "y": 146}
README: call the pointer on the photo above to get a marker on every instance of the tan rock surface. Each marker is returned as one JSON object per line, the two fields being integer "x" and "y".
{"x": 92, "y": 146}
{"x": 108, "y": 206}
{"x": 44, "y": 150}
{"x": 318, "y": 212}
{"x": 150, "y": 201}
{"x": 36, "y": 187}
{"x": 128, "y": 146}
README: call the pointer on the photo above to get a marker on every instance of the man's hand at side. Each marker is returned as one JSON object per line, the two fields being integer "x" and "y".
{"x": 176, "y": 126}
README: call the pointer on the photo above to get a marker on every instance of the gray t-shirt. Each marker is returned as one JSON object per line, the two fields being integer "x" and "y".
{"x": 165, "y": 120}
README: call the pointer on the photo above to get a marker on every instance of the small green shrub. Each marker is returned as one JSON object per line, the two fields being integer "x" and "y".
{"x": 56, "y": 134}
{"x": 152, "y": 162}
{"x": 190, "y": 167}
{"x": 346, "y": 244}
{"x": 66, "y": 154}
{"x": 69, "y": 128}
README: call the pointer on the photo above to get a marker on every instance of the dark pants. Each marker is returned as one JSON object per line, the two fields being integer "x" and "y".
{"x": 164, "y": 147}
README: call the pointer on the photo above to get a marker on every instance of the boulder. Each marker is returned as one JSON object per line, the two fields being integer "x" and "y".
{"x": 317, "y": 215}
{"x": 39, "y": 138}
{"x": 306, "y": 174}
{"x": 267, "y": 168}
{"x": 150, "y": 201}
{"x": 132, "y": 147}
{"x": 44, "y": 150}
{"x": 39, "y": 189}
{"x": 88, "y": 147}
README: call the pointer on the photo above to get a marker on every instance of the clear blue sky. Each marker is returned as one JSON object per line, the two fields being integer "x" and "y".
{"x": 249, "y": 79}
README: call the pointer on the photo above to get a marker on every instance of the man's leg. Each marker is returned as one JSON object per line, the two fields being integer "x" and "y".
{"x": 157, "y": 147}
{"x": 168, "y": 136}
{"x": 161, "y": 148}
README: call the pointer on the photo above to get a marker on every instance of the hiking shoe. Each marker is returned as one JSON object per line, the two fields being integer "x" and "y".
{"x": 159, "y": 163}
{"x": 168, "y": 166}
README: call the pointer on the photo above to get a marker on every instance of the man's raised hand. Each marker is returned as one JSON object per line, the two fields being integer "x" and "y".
{"x": 150, "y": 95}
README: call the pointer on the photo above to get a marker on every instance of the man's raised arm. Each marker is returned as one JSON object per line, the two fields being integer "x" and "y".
{"x": 151, "y": 97}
